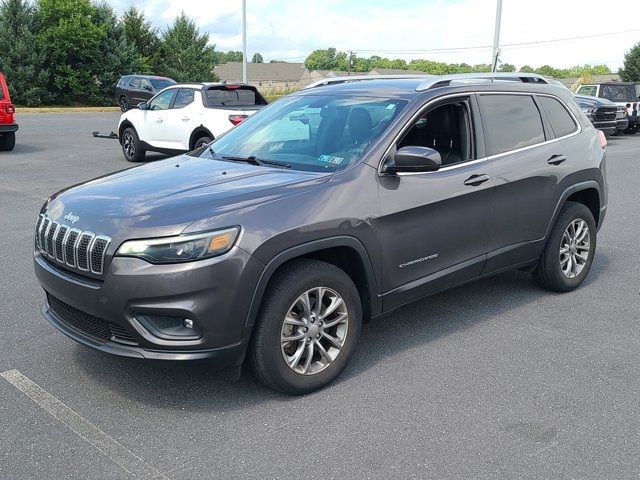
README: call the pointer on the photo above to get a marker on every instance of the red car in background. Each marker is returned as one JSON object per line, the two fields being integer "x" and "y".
{"x": 8, "y": 126}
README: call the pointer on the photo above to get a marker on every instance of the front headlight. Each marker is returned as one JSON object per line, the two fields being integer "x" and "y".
{"x": 588, "y": 111}
{"x": 183, "y": 248}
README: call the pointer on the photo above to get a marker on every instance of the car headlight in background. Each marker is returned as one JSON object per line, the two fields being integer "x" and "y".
{"x": 588, "y": 111}
{"x": 182, "y": 248}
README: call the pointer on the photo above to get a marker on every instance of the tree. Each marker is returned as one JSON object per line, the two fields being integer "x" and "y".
{"x": 143, "y": 38}
{"x": 233, "y": 56}
{"x": 186, "y": 55}
{"x": 23, "y": 64}
{"x": 527, "y": 69}
{"x": 507, "y": 67}
{"x": 257, "y": 58}
{"x": 630, "y": 72}
{"x": 322, "y": 60}
{"x": 70, "y": 39}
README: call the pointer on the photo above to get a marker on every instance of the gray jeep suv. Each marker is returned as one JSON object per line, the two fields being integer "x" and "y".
{"x": 334, "y": 205}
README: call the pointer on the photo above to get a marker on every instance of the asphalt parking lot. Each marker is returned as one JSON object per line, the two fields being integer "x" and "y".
{"x": 495, "y": 379}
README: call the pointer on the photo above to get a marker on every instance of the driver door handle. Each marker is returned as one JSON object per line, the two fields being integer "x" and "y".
{"x": 475, "y": 180}
{"x": 556, "y": 159}
{"x": 159, "y": 120}
{"x": 185, "y": 119}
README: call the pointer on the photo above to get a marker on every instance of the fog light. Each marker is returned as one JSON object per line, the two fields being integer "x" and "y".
{"x": 188, "y": 323}
{"x": 170, "y": 327}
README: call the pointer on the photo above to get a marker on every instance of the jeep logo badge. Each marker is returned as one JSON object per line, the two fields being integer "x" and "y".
{"x": 70, "y": 217}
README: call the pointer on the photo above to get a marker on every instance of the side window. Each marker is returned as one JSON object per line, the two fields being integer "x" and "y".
{"x": 447, "y": 129}
{"x": 510, "y": 122}
{"x": 184, "y": 97}
{"x": 589, "y": 90}
{"x": 146, "y": 84}
{"x": 135, "y": 82}
{"x": 162, "y": 101}
{"x": 561, "y": 121}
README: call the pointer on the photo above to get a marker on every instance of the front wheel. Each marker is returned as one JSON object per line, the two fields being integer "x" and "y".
{"x": 569, "y": 252}
{"x": 131, "y": 146}
{"x": 201, "y": 142}
{"x": 307, "y": 328}
{"x": 7, "y": 142}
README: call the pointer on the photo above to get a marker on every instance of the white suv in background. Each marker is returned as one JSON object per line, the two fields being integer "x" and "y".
{"x": 184, "y": 117}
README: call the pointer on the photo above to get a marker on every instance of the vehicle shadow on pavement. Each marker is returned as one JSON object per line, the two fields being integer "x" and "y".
{"x": 195, "y": 386}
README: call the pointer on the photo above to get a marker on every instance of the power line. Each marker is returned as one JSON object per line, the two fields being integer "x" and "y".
{"x": 517, "y": 44}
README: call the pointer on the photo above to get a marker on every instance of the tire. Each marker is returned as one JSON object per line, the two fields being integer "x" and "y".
{"x": 7, "y": 142}
{"x": 202, "y": 141}
{"x": 266, "y": 356}
{"x": 131, "y": 145}
{"x": 124, "y": 104}
{"x": 560, "y": 272}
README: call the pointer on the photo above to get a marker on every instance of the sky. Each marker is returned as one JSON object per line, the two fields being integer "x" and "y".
{"x": 453, "y": 31}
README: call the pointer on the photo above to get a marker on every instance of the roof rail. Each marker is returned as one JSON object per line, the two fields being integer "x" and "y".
{"x": 467, "y": 78}
{"x": 358, "y": 78}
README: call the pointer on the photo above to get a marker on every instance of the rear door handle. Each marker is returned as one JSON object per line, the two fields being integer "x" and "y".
{"x": 159, "y": 120}
{"x": 556, "y": 159}
{"x": 475, "y": 180}
{"x": 185, "y": 119}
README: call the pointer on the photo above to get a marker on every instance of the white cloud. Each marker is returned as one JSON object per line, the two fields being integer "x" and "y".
{"x": 290, "y": 29}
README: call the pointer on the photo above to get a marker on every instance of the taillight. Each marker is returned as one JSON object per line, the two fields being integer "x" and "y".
{"x": 9, "y": 108}
{"x": 236, "y": 119}
{"x": 232, "y": 87}
{"x": 635, "y": 105}
{"x": 603, "y": 139}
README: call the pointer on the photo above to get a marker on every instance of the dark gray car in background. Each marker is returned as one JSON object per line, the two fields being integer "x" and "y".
{"x": 134, "y": 89}
{"x": 334, "y": 205}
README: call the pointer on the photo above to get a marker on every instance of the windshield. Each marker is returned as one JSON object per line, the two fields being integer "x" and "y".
{"x": 160, "y": 83}
{"x": 311, "y": 132}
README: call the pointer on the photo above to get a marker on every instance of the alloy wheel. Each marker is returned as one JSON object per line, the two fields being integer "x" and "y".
{"x": 128, "y": 145}
{"x": 574, "y": 248}
{"x": 314, "y": 330}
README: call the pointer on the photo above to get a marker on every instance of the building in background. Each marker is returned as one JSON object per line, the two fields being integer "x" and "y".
{"x": 266, "y": 76}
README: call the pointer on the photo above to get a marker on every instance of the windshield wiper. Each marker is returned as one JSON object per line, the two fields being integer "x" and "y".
{"x": 253, "y": 160}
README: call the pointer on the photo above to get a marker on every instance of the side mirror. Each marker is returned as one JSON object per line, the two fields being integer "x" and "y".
{"x": 413, "y": 160}
{"x": 147, "y": 87}
{"x": 143, "y": 106}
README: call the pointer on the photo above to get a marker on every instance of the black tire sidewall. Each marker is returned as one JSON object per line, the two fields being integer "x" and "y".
{"x": 7, "y": 141}
{"x": 276, "y": 371}
{"x": 124, "y": 100}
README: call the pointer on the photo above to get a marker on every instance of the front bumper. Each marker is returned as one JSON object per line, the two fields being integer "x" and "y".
{"x": 8, "y": 128}
{"x": 215, "y": 293}
{"x": 608, "y": 127}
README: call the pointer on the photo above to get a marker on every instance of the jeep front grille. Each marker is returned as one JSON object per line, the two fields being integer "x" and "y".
{"x": 70, "y": 246}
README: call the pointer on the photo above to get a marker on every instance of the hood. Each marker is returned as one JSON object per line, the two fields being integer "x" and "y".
{"x": 586, "y": 101}
{"x": 165, "y": 197}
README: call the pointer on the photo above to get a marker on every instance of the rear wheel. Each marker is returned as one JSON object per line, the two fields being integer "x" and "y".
{"x": 7, "y": 142}
{"x": 202, "y": 141}
{"x": 307, "y": 328}
{"x": 569, "y": 252}
{"x": 124, "y": 104}
{"x": 131, "y": 146}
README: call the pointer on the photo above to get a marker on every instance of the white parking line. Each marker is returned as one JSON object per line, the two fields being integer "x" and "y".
{"x": 126, "y": 459}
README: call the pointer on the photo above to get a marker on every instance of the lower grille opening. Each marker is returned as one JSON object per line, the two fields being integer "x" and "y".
{"x": 88, "y": 324}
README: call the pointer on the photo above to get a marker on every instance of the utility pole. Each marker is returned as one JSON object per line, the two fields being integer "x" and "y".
{"x": 244, "y": 41}
{"x": 496, "y": 38}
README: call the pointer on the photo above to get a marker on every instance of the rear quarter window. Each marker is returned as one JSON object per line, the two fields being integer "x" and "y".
{"x": 561, "y": 120}
{"x": 510, "y": 122}
{"x": 233, "y": 97}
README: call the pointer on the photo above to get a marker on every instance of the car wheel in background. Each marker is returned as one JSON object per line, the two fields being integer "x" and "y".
{"x": 7, "y": 142}
{"x": 124, "y": 104}
{"x": 131, "y": 146}
{"x": 569, "y": 252}
{"x": 307, "y": 328}
{"x": 202, "y": 141}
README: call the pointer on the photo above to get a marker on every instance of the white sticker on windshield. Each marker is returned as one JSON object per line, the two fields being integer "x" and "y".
{"x": 330, "y": 159}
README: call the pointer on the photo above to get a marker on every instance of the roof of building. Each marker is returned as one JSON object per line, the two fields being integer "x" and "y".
{"x": 395, "y": 71}
{"x": 261, "y": 72}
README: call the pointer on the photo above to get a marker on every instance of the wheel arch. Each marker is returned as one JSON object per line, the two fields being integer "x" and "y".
{"x": 588, "y": 193}
{"x": 347, "y": 253}
{"x": 200, "y": 131}
{"x": 123, "y": 126}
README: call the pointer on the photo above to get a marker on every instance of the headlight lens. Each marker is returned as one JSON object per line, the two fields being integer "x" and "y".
{"x": 183, "y": 248}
